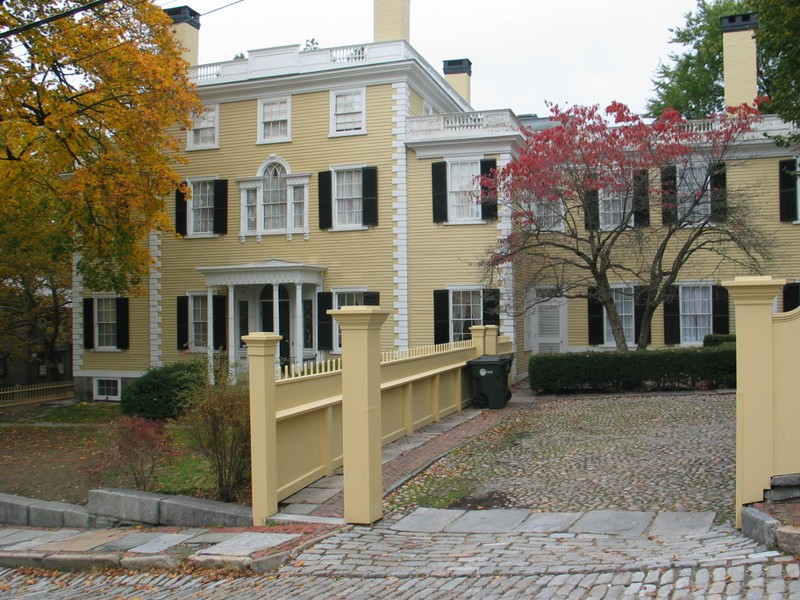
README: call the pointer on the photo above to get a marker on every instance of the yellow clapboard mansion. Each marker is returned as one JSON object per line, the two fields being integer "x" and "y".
{"x": 328, "y": 177}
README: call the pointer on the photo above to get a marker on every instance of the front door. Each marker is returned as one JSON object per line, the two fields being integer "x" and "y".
{"x": 268, "y": 317}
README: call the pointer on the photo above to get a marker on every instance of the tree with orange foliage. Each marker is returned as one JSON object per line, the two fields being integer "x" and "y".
{"x": 86, "y": 104}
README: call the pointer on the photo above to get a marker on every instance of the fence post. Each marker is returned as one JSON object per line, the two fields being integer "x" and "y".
{"x": 361, "y": 411}
{"x": 478, "y": 333}
{"x": 492, "y": 331}
{"x": 752, "y": 298}
{"x": 261, "y": 349}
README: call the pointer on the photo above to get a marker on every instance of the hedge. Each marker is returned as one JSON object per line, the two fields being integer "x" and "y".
{"x": 160, "y": 393}
{"x": 672, "y": 369}
{"x": 716, "y": 339}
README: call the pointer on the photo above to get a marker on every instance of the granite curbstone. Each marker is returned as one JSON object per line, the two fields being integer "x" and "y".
{"x": 759, "y": 526}
{"x": 81, "y": 562}
{"x": 143, "y": 563}
{"x": 126, "y": 505}
{"x": 186, "y": 511}
{"x": 22, "y": 559}
{"x": 14, "y": 509}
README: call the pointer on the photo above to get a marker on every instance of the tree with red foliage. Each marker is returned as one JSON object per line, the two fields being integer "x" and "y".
{"x": 602, "y": 198}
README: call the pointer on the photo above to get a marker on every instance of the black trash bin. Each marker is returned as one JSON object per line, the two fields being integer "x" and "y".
{"x": 491, "y": 379}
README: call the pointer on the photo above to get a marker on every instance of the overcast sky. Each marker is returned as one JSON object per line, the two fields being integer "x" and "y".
{"x": 523, "y": 52}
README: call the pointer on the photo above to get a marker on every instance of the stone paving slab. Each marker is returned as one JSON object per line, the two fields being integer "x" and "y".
{"x": 427, "y": 520}
{"x": 211, "y": 538}
{"x": 85, "y": 541}
{"x": 488, "y": 521}
{"x": 613, "y": 522}
{"x": 128, "y": 542}
{"x": 15, "y": 536}
{"x": 548, "y": 522}
{"x": 682, "y": 523}
{"x": 245, "y": 544}
{"x": 299, "y": 509}
{"x": 42, "y": 537}
{"x": 312, "y": 495}
{"x": 161, "y": 543}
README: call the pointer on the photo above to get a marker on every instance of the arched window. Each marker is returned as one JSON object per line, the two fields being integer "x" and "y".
{"x": 274, "y": 202}
{"x": 274, "y": 197}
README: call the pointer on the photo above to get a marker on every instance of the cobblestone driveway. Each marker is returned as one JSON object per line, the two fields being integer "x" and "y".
{"x": 636, "y": 452}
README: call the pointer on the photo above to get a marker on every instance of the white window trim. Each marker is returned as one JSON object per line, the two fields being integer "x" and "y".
{"x": 704, "y": 220}
{"x": 95, "y": 384}
{"x": 602, "y": 202}
{"x": 462, "y": 288}
{"x": 334, "y": 215}
{"x": 95, "y": 307}
{"x": 209, "y": 308}
{"x": 293, "y": 180}
{"x": 450, "y": 162}
{"x": 629, "y": 340}
{"x": 337, "y": 349}
{"x": 363, "y": 129}
{"x": 190, "y": 210}
{"x": 561, "y": 226}
{"x": 260, "y": 139}
{"x": 190, "y": 145}
{"x": 689, "y": 284}
{"x": 797, "y": 190}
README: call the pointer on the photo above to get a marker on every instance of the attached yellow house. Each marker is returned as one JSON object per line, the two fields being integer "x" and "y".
{"x": 322, "y": 178}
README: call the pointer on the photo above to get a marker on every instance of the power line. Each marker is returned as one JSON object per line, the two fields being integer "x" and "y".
{"x": 50, "y": 19}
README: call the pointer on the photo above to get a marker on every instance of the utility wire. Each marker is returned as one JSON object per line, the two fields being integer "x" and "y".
{"x": 50, "y": 19}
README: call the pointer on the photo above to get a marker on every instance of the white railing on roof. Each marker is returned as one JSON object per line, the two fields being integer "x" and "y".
{"x": 465, "y": 123}
{"x": 349, "y": 54}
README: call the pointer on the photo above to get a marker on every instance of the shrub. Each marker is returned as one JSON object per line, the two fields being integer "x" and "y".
{"x": 159, "y": 394}
{"x": 717, "y": 339}
{"x": 217, "y": 420}
{"x": 683, "y": 368}
{"x": 140, "y": 447}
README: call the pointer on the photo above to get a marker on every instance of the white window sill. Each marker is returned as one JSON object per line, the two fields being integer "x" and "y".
{"x": 200, "y": 236}
{"x": 107, "y": 349}
{"x": 282, "y": 140}
{"x": 349, "y": 228}
{"x": 257, "y": 235}
{"x": 466, "y": 222}
{"x": 209, "y": 147}
{"x": 333, "y": 134}
{"x": 796, "y": 222}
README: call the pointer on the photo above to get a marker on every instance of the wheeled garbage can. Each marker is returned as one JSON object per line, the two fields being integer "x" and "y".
{"x": 490, "y": 374}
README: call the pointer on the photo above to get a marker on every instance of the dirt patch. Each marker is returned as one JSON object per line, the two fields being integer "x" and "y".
{"x": 50, "y": 463}
{"x": 482, "y": 501}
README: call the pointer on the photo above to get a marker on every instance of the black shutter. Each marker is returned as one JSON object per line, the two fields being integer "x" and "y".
{"x": 591, "y": 209}
{"x": 324, "y": 320}
{"x": 639, "y": 302}
{"x": 672, "y": 316}
{"x": 596, "y": 321}
{"x": 220, "y": 316}
{"x": 488, "y": 196}
{"x": 439, "y": 187}
{"x": 720, "y": 319}
{"x": 88, "y": 323}
{"x": 641, "y": 198}
{"x": 369, "y": 196}
{"x": 221, "y": 206}
{"x": 183, "y": 322}
{"x": 372, "y": 298}
{"x": 325, "y": 180}
{"x": 719, "y": 196}
{"x": 180, "y": 212}
{"x": 441, "y": 316}
{"x": 669, "y": 195}
{"x": 787, "y": 182}
{"x": 123, "y": 324}
{"x": 791, "y": 296}
{"x": 491, "y": 307}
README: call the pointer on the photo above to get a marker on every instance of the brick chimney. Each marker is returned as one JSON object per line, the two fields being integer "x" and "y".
{"x": 458, "y": 73}
{"x": 739, "y": 58}
{"x": 391, "y": 20}
{"x": 187, "y": 31}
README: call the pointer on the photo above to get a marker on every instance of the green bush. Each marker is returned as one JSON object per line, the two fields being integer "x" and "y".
{"x": 716, "y": 339}
{"x": 673, "y": 369}
{"x": 217, "y": 422}
{"x": 160, "y": 393}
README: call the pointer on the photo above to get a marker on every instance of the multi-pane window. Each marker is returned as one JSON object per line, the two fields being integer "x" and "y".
{"x": 466, "y": 310}
{"x": 275, "y": 198}
{"x": 623, "y": 302}
{"x": 203, "y": 133}
{"x": 613, "y": 210}
{"x": 694, "y": 198}
{"x": 106, "y": 322}
{"x": 274, "y": 115}
{"x": 696, "y": 312}
{"x": 250, "y": 201}
{"x": 298, "y": 207}
{"x": 464, "y": 191}
{"x": 346, "y": 298}
{"x": 198, "y": 324}
{"x": 106, "y": 389}
{"x": 348, "y": 205}
{"x": 347, "y": 112}
{"x": 549, "y": 214}
{"x": 202, "y": 213}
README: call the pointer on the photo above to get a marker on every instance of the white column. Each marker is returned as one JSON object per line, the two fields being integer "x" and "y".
{"x": 210, "y": 326}
{"x": 298, "y": 323}
{"x": 233, "y": 342}
{"x": 276, "y": 313}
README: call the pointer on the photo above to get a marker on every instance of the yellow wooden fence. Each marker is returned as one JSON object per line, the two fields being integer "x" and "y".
{"x": 36, "y": 393}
